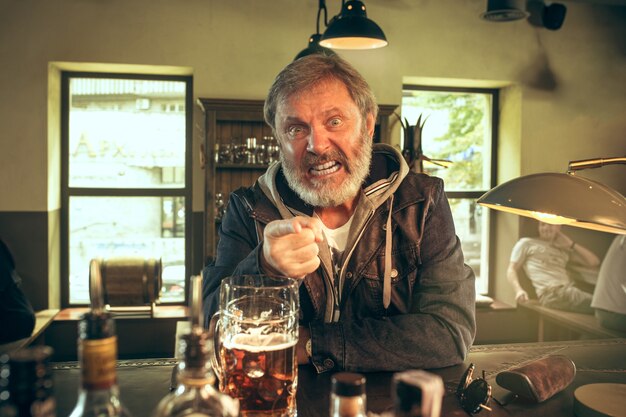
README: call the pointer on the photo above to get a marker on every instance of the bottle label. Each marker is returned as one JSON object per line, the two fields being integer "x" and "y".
{"x": 98, "y": 359}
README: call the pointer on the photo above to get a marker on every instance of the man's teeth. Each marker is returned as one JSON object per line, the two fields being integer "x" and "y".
{"x": 326, "y": 168}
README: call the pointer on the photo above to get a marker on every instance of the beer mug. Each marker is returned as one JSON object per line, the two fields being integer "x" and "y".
{"x": 255, "y": 343}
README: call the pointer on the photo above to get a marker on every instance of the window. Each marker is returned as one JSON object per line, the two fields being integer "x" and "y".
{"x": 126, "y": 180}
{"x": 460, "y": 127}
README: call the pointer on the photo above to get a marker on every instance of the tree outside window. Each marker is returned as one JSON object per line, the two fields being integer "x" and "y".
{"x": 459, "y": 127}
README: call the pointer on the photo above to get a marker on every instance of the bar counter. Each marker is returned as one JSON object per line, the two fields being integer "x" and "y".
{"x": 144, "y": 382}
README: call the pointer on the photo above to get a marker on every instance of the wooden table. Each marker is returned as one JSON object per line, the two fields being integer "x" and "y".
{"x": 144, "y": 382}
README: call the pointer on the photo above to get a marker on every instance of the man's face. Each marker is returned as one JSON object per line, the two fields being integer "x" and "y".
{"x": 548, "y": 231}
{"x": 325, "y": 144}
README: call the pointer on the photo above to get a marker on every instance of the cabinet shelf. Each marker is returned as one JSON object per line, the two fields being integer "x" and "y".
{"x": 241, "y": 166}
{"x": 231, "y": 121}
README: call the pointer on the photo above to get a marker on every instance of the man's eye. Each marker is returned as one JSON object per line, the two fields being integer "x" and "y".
{"x": 295, "y": 131}
{"x": 335, "y": 122}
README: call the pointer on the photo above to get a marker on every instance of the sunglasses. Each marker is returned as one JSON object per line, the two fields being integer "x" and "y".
{"x": 473, "y": 394}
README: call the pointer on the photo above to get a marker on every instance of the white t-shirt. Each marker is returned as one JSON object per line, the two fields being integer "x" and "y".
{"x": 543, "y": 263}
{"x": 337, "y": 240}
{"x": 610, "y": 291}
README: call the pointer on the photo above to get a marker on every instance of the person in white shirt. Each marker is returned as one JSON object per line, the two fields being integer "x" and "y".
{"x": 544, "y": 261}
{"x": 609, "y": 295}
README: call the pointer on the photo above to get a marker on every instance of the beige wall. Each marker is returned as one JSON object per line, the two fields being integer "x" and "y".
{"x": 234, "y": 49}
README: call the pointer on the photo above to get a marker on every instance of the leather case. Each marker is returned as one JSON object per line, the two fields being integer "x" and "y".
{"x": 540, "y": 379}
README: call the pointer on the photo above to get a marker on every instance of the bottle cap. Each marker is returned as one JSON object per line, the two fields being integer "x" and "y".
{"x": 96, "y": 325}
{"x": 414, "y": 387}
{"x": 347, "y": 384}
{"x": 195, "y": 349}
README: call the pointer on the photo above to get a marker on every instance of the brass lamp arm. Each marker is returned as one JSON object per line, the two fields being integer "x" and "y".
{"x": 594, "y": 163}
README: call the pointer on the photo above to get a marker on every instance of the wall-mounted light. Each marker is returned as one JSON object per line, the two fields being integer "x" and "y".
{"x": 563, "y": 198}
{"x": 549, "y": 16}
{"x": 537, "y": 12}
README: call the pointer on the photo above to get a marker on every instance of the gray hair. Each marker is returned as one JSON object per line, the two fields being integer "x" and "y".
{"x": 309, "y": 71}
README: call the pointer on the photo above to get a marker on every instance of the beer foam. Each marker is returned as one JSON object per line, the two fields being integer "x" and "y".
{"x": 260, "y": 342}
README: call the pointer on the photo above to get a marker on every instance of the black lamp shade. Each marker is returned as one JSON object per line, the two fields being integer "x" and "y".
{"x": 351, "y": 29}
{"x": 315, "y": 48}
{"x": 505, "y": 10}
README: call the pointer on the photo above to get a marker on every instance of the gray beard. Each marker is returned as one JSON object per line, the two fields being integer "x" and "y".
{"x": 321, "y": 194}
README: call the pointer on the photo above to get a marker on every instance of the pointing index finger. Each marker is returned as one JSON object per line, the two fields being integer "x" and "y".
{"x": 281, "y": 228}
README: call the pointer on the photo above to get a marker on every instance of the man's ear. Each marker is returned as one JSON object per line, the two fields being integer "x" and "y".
{"x": 370, "y": 123}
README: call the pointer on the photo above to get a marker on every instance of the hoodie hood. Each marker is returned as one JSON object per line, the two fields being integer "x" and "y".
{"x": 387, "y": 170}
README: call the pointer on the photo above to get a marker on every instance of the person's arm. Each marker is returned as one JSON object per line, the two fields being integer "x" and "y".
{"x": 16, "y": 313}
{"x": 579, "y": 254}
{"x": 237, "y": 253}
{"x": 512, "y": 275}
{"x": 438, "y": 328}
{"x": 288, "y": 247}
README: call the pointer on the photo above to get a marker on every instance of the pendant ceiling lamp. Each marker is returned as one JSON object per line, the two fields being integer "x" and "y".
{"x": 559, "y": 198}
{"x": 351, "y": 29}
{"x": 314, "y": 46}
{"x": 505, "y": 10}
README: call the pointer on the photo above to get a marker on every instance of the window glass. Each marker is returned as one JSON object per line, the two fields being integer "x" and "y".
{"x": 110, "y": 227}
{"x": 125, "y": 192}
{"x": 457, "y": 128}
{"x": 457, "y": 142}
{"x": 126, "y": 133}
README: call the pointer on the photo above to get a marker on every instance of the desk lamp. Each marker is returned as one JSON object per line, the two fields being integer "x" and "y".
{"x": 567, "y": 199}
{"x": 575, "y": 201}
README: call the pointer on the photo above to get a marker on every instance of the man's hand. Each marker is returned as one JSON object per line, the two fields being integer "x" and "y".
{"x": 290, "y": 246}
{"x": 562, "y": 241}
{"x": 521, "y": 296}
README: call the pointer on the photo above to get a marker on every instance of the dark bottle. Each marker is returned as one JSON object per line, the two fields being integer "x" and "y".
{"x": 417, "y": 393}
{"x": 98, "y": 394}
{"x": 348, "y": 398}
{"x": 26, "y": 387}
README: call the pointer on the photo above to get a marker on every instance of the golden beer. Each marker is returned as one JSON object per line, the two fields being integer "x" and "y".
{"x": 262, "y": 372}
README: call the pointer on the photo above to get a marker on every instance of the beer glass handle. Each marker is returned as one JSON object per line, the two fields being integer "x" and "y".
{"x": 214, "y": 327}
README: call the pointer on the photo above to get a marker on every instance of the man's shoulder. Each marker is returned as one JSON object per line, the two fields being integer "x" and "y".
{"x": 420, "y": 185}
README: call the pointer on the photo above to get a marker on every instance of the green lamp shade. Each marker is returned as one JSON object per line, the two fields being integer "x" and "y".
{"x": 561, "y": 199}
{"x": 351, "y": 29}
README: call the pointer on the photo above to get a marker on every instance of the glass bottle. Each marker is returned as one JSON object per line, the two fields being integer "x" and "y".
{"x": 194, "y": 394}
{"x": 98, "y": 394}
{"x": 347, "y": 398}
{"x": 220, "y": 207}
{"x": 26, "y": 387}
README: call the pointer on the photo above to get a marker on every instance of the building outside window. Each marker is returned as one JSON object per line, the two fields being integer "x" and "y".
{"x": 126, "y": 180}
{"x": 460, "y": 127}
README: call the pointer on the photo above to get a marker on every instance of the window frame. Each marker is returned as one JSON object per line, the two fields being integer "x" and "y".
{"x": 495, "y": 118}
{"x": 67, "y": 192}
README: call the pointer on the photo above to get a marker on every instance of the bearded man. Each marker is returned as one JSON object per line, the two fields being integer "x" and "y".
{"x": 383, "y": 282}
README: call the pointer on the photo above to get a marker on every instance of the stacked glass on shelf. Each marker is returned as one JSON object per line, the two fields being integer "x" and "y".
{"x": 220, "y": 207}
{"x": 249, "y": 153}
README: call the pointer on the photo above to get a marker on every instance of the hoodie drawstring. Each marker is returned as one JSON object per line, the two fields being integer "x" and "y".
{"x": 387, "y": 273}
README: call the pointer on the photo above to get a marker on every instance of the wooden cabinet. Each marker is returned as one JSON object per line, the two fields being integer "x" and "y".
{"x": 232, "y": 122}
